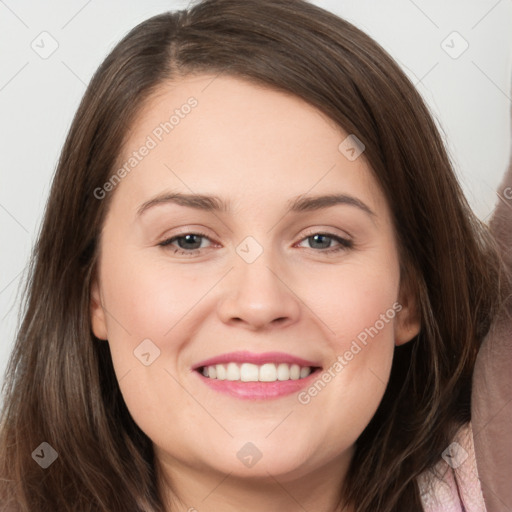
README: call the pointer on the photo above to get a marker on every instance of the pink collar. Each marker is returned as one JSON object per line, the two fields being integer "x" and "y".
{"x": 453, "y": 485}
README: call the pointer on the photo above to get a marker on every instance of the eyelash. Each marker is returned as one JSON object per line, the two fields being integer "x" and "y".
{"x": 344, "y": 244}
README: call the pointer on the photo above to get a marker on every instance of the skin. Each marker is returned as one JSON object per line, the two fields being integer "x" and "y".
{"x": 257, "y": 148}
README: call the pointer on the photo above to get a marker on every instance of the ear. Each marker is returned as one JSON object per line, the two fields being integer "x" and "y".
{"x": 408, "y": 318}
{"x": 98, "y": 323}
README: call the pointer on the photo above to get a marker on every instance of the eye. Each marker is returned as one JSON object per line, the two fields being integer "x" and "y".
{"x": 324, "y": 240}
{"x": 191, "y": 243}
{"x": 188, "y": 243}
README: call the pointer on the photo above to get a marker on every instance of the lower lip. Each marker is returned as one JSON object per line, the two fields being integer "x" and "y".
{"x": 259, "y": 390}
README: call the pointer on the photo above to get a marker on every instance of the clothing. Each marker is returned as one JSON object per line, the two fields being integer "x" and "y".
{"x": 491, "y": 401}
{"x": 456, "y": 488}
{"x": 460, "y": 489}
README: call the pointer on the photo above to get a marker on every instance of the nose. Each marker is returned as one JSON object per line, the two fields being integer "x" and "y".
{"x": 257, "y": 296}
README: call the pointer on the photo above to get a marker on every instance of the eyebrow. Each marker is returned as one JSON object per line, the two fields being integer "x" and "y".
{"x": 210, "y": 203}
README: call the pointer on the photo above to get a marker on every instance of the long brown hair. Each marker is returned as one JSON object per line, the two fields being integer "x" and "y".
{"x": 60, "y": 385}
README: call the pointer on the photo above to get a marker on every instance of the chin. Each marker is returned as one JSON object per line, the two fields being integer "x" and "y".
{"x": 263, "y": 460}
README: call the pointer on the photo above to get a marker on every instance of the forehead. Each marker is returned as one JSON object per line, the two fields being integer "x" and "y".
{"x": 227, "y": 136}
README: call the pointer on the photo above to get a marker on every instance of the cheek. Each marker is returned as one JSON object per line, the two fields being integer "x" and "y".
{"x": 357, "y": 301}
{"x": 147, "y": 326}
{"x": 359, "y": 310}
{"x": 153, "y": 311}
{"x": 146, "y": 299}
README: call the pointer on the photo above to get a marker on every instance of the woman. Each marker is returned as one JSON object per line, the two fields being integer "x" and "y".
{"x": 253, "y": 372}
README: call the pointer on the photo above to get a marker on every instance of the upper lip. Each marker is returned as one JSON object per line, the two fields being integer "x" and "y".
{"x": 250, "y": 357}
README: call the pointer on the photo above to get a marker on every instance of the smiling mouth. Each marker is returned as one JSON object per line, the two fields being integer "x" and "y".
{"x": 249, "y": 372}
{"x": 257, "y": 376}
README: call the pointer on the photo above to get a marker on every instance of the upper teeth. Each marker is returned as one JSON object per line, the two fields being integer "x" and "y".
{"x": 248, "y": 372}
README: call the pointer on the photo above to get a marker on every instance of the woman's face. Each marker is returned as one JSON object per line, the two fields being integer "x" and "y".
{"x": 297, "y": 272}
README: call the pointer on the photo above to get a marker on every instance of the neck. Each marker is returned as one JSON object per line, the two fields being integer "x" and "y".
{"x": 186, "y": 488}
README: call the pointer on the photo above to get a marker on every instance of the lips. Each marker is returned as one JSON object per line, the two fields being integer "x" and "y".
{"x": 256, "y": 376}
{"x": 257, "y": 359}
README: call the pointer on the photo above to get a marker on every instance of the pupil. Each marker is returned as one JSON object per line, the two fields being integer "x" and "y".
{"x": 326, "y": 243}
{"x": 188, "y": 238}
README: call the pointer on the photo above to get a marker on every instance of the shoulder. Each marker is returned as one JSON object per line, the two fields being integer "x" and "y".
{"x": 453, "y": 484}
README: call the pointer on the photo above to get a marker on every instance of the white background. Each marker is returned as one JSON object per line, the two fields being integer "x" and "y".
{"x": 470, "y": 96}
